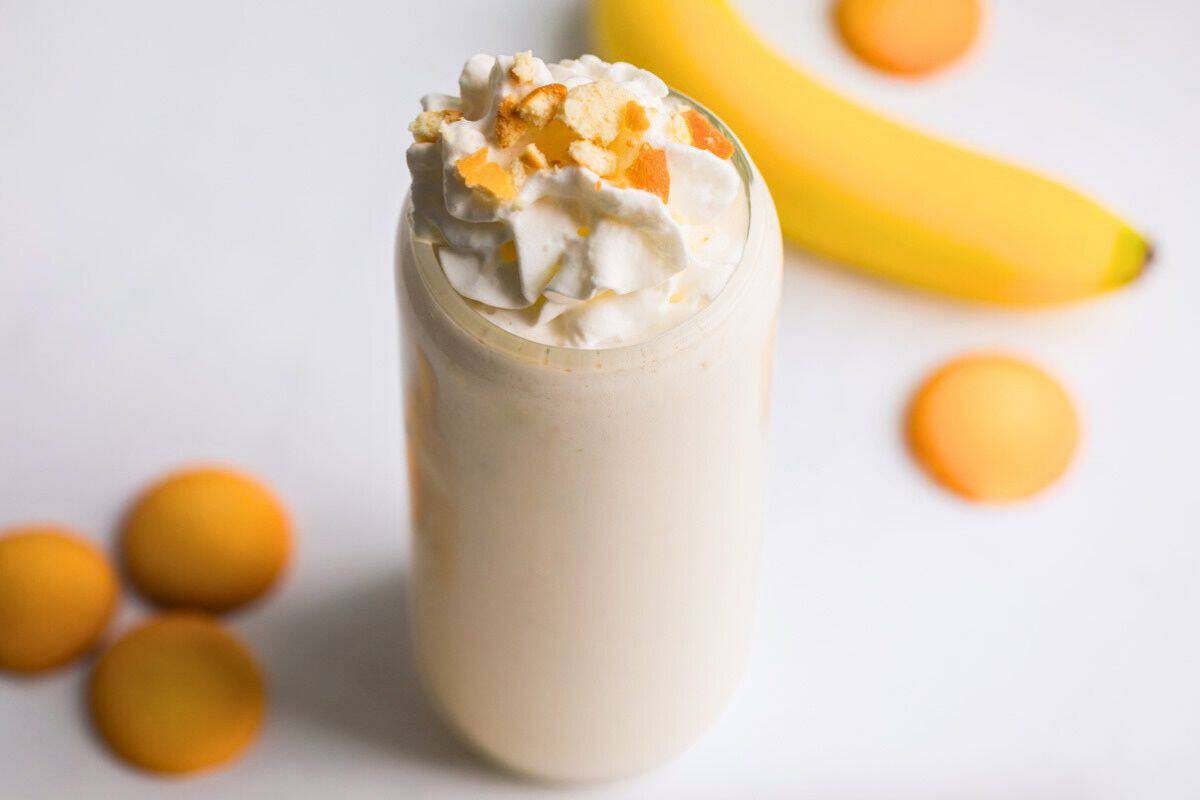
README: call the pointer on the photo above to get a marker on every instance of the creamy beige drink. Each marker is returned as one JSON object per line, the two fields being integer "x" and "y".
{"x": 589, "y": 277}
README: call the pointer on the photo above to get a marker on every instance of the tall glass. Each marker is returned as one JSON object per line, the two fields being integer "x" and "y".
{"x": 586, "y": 522}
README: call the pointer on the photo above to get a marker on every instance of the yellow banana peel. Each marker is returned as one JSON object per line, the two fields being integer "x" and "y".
{"x": 864, "y": 190}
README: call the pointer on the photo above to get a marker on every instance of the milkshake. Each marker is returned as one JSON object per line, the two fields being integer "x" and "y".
{"x": 588, "y": 270}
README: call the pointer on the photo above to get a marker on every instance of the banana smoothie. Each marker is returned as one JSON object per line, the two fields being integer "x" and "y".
{"x": 588, "y": 273}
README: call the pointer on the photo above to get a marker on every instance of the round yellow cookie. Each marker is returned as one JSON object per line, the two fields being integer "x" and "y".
{"x": 208, "y": 538}
{"x": 57, "y": 593}
{"x": 178, "y": 694}
{"x": 909, "y": 37}
{"x": 992, "y": 427}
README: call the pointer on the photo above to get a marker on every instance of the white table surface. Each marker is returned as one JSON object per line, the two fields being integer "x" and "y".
{"x": 197, "y": 203}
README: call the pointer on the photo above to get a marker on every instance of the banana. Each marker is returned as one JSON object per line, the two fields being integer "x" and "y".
{"x": 864, "y": 190}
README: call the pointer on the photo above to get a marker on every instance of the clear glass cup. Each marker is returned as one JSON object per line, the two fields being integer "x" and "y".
{"x": 586, "y": 523}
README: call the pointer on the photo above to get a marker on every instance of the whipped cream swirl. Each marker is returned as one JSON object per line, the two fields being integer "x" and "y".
{"x": 560, "y": 254}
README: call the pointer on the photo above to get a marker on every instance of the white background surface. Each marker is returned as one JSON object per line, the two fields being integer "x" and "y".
{"x": 197, "y": 204}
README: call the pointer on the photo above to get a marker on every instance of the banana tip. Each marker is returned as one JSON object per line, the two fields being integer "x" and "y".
{"x": 1149, "y": 255}
{"x": 1148, "y": 260}
{"x": 1133, "y": 258}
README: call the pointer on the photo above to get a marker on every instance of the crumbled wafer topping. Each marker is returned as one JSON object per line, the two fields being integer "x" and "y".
{"x": 593, "y": 110}
{"x": 593, "y": 156}
{"x": 427, "y": 127}
{"x": 633, "y": 117}
{"x": 533, "y": 158}
{"x": 479, "y": 173}
{"x": 509, "y": 126}
{"x": 705, "y": 135}
{"x": 679, "y": 131}
{"x": 575, "y": 202}
{"x": 649, "y": 173}
{"x": 523, "y": 69}
{"x": 542, "y": 104}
